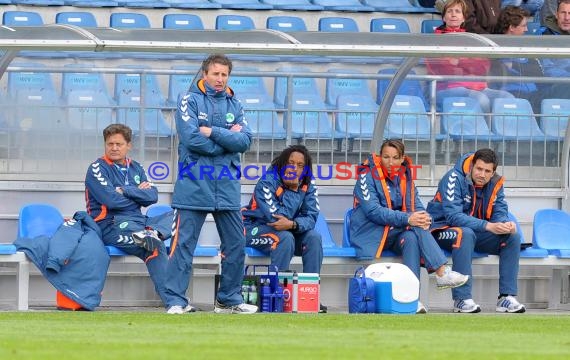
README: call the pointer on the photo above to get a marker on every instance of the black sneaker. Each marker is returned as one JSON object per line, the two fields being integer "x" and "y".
{"x": 322, "y": 309}
{"x": 147, "y": 239}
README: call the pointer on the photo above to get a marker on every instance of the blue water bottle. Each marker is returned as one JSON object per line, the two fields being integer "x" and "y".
{"x": 266, "y": 296}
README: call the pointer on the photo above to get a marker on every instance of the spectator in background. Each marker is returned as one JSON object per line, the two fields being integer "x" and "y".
{"x": 531, "y": 6}
{"x": 482, "y": 16}
{"x": 512, "y": 21}
{"x": 548, "y": 9}
{"x": 558, "y": 24}
{"x": 454, "y": 13}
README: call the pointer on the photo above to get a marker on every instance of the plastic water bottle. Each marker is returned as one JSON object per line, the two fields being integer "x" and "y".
{"x": 266, "y": 296}
{"x": 245, "y": 291}
{"x": 252, "y": 293}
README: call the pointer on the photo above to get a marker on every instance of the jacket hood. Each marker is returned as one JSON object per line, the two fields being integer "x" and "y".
{"x": 551, "y": 23}
{"x": 87, "y": 221}
{"x": 202, "y": 87}
{"x": 463, "y": 165}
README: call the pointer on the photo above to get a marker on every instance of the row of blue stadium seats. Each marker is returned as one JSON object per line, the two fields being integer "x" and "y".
{"x": 548, "y": 234}
{"x": 287, "y": 5}
{"x": 223, "y": 22}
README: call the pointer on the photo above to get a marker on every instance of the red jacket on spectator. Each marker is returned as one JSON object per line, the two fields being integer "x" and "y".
{"x": 458, "y": 66}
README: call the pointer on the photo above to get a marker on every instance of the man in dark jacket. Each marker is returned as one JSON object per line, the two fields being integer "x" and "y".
{"x": 469, "y": 214}
{"x": 212, "y": 133}
{"x": 558, "y": 24}
{"x": 482, "y": 16}
{"x": 116, "y": 187}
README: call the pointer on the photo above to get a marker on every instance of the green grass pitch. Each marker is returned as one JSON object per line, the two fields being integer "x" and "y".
{"x": 153, "y": 335}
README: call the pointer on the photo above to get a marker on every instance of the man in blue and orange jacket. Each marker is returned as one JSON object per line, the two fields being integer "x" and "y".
{"x": 470, "y": 214}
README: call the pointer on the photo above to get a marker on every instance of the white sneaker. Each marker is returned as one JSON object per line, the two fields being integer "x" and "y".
{"x": 421, "y": 308}
{"x": 242, "y": 308}
{"x": 466, "y": 306}
{"x": 177, "y": 309}
{"x": 509, "y": 304}
{"x": 450, "y": 279}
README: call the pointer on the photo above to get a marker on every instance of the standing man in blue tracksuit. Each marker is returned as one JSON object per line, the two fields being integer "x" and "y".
{"x": 116, "y": 187}
{"x": 470, "y": 214}
{"x": 281, "y": 215}
{"x": 212, "y": 132}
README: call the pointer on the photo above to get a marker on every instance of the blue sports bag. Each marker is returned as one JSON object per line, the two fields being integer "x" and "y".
{"x": 361, "y": 293}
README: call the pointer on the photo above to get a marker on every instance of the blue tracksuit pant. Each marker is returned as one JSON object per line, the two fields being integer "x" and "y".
{"x": 282, "y": 245}
{"x": 415, "y": 244}
{"x": 463, "y": 241}
{"x": 118, "y": 233}
{"x": 187, "y": 226}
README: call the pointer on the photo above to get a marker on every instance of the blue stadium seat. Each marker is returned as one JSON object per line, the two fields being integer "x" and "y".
{"x": 429, "y": 25}
{"x": 408, "y": 119}
{"x": 88, "y": 111}
{"x": 182, "y": 21}
{"x": 260, "y": 111}
{"x": 5, "y": 2}
{"x": 338, "y": 24}
{"x": 286, "y": 23}
{"x": 399, "y": 6}
{"x": 145, "y": 4}
{"x": 343, "y": 5}
{"x": 192, "y": 4}
{"x": 38, "y": 219}
{"x": 301, "y": 85}
{"x": 92, "y": 3}
{"x": 128, "y": 97}
{"x": 39, "y": 2}
{"x": 339, "y": 86}
{"x": 356, "y": 115}
{"x": 527, "y": 252}
{"x": 234, "y": 22}
{"x": 83, "y": 80}
{"x": 513, "y": 119}
{"x": 301, "y": 5}
{"x": 180, "y": 84}
{"x": 37, "y": 110}
{"x": 407, "y": 87}
{"x": 554, "y": 119}
{"x": 463, "y": 119}
{"x": 533, "y": 28}
{"x": 78, "y": 18}
{"x": 330, "y": 248}
{"x": 242, "y": 4}
{"x": 346, "y": 236}
{"x": 309, "y": 118}
{"x": 22, "y": 18}
{"x": 28, "y": 79}
{"x": 129, "y": 21}
{"x": 550, "y": 231}
{"x": 389, "y": 25}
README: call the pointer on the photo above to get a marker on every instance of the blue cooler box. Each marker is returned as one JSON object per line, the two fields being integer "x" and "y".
{"x": 397, "y": 288}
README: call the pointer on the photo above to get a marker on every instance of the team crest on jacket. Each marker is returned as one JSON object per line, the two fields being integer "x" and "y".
{"x": 254, "y": 231}
{"x": 137, "y": 179}
{"x": 230, "y": 118}
{"x": 123, "y": 225}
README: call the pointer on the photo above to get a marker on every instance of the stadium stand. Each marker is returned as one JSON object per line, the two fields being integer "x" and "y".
{"x": 21, "y": 18}
{"x": 301, "y": 85}
{"x": 349, "y": 86}
{"x": 463, "y": 119}
{"x": 125, "y": 20}
{"x": 399, "y": 6}
{"x": 180, "y": 84}
{"x": 394, "y": 25}
{"x": 85, "y": 79}
{"x": 355, "y": 116}
{"x": 428, "y": 26}
{"x": 408, "y": 119}
{"x": 513, "y": 119}
{"x": 300, "y": 5}
{"x": 243, "y": 4}
{"x": 234, "y": 22}
{"x": 408, "y": 87}
{"x": 145, "y": 4}
{"x": 192, "y": 4}
{"x": 309, "y": 118}
{"x": 343, "y": 5}
{"x": 28, "y": 79}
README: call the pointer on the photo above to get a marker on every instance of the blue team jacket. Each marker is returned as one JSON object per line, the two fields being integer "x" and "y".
{"x": 271, "y": 196}
{"x": 458, "y": 203}
{"x": 381, "y": 204}
{"x": 74, "y": 260}
{"x": 101, "y": 180}
{"x": 209, "y": 167}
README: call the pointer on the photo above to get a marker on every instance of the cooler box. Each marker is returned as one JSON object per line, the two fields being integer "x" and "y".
{"x": 301, "y": 292}
{"x": 397, "y": 288}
